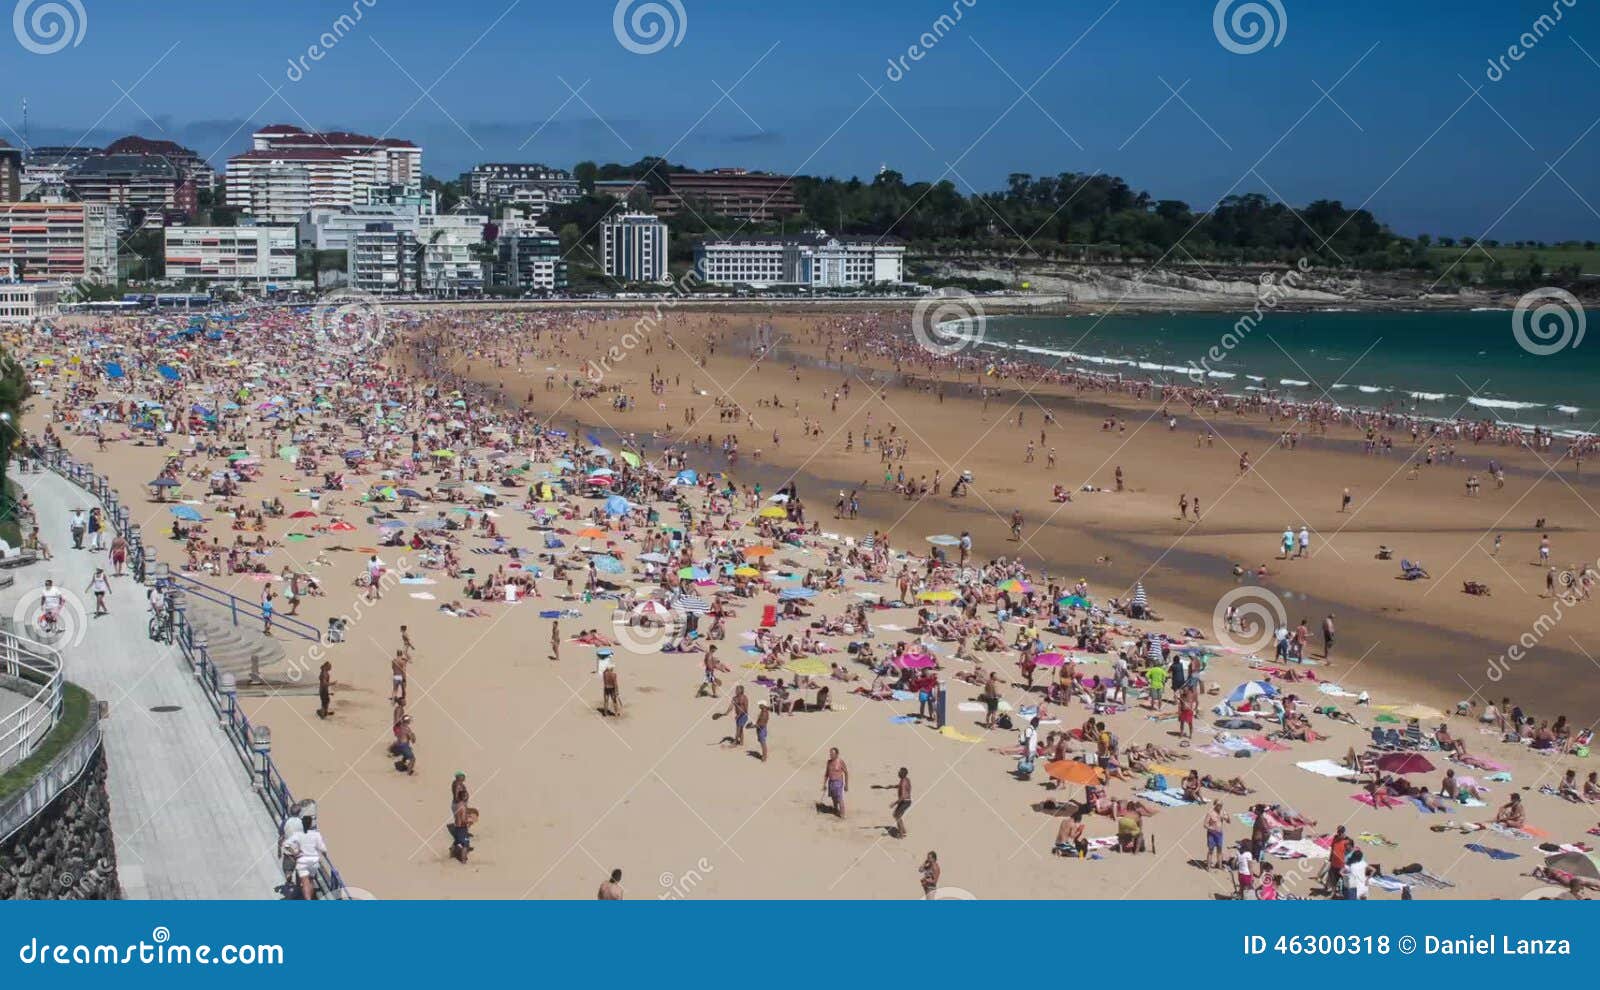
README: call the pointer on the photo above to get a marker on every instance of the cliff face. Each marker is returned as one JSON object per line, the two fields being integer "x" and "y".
{"x": 65, "y": 854}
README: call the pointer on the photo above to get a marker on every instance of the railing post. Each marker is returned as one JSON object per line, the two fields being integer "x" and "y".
{"x": 261, "y": 742}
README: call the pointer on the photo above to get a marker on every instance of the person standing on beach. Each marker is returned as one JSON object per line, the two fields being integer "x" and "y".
{"x": 1214, "y": 835}
{"x": 836, "y": 780}
{"x": 325, "y": 689}
{"x": 397, "y": 674}
{"x": 1344, "y": 502}
{"x": 611, "y": 889}
{"x": 1016, "y": 525}
{"x": 902, "y": 803}
{"x": 611, "y": 693}
{"x": 1544, "y": 550}
{"x": 1327, "y": 636}
{"x": 929, "y": 874}
{"x": 762, "y": 718}
{"x": 739, "y": 706}
{"x": 555, "y": 640}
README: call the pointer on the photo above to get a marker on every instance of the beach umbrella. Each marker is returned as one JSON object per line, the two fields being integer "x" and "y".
{"x": 601, "y": 452}
{"x": 1073, "y": 601}
{"x": 916, "y": 661}
{"x": 410, "y": 493}
{"x": 651, "y": 607}
{"x": 1578, "y": 864}
{"x": 774, "y": 512}
{"x": 936, "y": 596}
{"x": 164, "y": 483}
{"x": 599, "y": 481}
{"x": 1072, "y": 772}
{"x": 945, "y": 540}
{"x": 868, "y": 543}
{"x": 807, "y": 666}
{"x": 186, "y": 513}
{"x": 630, "y": 458}
{"x": 781, "y": 498}
{"x": 1139, "y": 598}
{"x": 616, "y": 505}
{"x": 653, "y": 558}
{"x": 288, "y": 452}
{"x": 1251, "y": 689}
{"x": 341, "y": 527}
{"x": 301, "y": 514}
{"x": 607, "y": 564}
{"x": 484, "y": 490}
{"x": 687, "y": 478}
{"x": 691, "y": 603}
{"x": 1049, "y": 659}
{"x": 591, "y": 532}
{"x": 759, "y": 551}
{"x": 746, "y": 571}
{"x": 1405, "y": 763}
{"x": 1012, "y": 584}
{"x": 603, "y": 472}
{"x": 796, "y": 594}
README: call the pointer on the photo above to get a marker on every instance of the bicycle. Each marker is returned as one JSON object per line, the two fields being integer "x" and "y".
{"x": 161, "y": 626}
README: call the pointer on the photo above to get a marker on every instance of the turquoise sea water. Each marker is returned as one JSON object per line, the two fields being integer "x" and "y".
{"x": 1437, "y": 364}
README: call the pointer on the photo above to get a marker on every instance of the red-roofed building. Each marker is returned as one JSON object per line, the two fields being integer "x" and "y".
{"x": 194, "y": 168}
{"x": 290, "y": 171}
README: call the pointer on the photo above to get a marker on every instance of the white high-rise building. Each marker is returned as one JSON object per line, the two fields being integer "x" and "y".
{"x": 231, "y": 254}
{"x": 449, "y": 264}
{"x": 289, "y": 171}
{"x": 633, "y": 247}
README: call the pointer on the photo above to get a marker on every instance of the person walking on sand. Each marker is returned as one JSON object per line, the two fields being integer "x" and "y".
{"x": 266, "y": 611}
{"x": 929, "y": 874}
{"x": 1344, "y": 501}
{"x": 902, "y": 803}
{"x": 1327, "y": 636}
{"x": 397, "y": 675}
{"x": 836, "y": 780}
{"x": 555, "y": 640}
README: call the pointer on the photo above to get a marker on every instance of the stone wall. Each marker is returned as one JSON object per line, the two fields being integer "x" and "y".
{"x": 66, "y": 853}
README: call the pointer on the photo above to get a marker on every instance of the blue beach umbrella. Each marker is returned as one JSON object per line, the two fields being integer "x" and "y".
{"x": 186, "y": 513}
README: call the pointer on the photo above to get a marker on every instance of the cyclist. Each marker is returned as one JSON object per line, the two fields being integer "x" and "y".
{"x": 50, "y": 603}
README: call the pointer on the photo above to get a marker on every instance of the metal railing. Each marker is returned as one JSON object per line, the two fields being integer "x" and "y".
{"x": 237, "y": 606}
{"x": 252, "y": 743}
{"x": 33, "y": 670}
{"x": 61, "y": 773}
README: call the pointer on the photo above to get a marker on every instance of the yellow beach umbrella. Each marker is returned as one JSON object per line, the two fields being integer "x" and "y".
{"x": 936, "y": 596}
{"x": 774, "y": 512}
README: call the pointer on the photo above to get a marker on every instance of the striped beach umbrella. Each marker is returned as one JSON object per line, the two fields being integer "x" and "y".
{"x": 1139, "y": 597}
{"x": 693, "y": 604}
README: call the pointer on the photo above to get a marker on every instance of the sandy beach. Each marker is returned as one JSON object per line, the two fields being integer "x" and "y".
{"x": 568, "y": 794}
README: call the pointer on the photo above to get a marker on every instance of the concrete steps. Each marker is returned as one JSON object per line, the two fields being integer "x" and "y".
{"x": 258, "y": 663}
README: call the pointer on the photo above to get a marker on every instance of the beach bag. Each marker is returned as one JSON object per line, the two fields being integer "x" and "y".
{"x": 1025, "y": 767}
{"x": 1157, "y": 782}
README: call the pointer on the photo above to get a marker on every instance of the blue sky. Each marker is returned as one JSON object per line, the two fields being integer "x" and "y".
{"x": 1400, "y": 128}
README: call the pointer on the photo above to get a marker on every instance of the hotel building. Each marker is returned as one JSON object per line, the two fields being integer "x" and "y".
{"x": 24, "y": 302}
{"x": 633, "y": 247}
{"x": 812, "y": 260}
{"x": 729, "y": 192}
{"x": 149, "y": 183}
{"x": 290, "y": 171}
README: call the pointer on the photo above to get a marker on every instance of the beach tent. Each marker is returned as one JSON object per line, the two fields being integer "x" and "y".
{"x": 1578, "y": 864}
{"x": 687, "y": 477}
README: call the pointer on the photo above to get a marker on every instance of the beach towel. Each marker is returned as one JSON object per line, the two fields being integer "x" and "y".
{"x": 1325, "y": 768}
{"x": 1382, "y": 801}
{"x": 1376, "y": 839}
{"x": 1492, "y": 852}
{"x": 1167, "y": 799}
{"x": 1423, "y": 807}
{"x": 904, "y": 719}
{"x": 1421, "y": 878}
{"x": 951, "y": 732}
{"x": 423, "y": 595}
{"x": 904, "y": 695}
{"x": 1296, "y": 849}
{"x": 417, "y": 580}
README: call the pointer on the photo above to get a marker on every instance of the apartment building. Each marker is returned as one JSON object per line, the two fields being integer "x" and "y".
{"x": 382, "y": 260}
{"x": 148, "y": 183}
{"x": 528, "y": 259}
{"x": 393, "y": 161}
{"x": 62, "y": 242}
{"x": 244, "y": 255}
{"x": 633, "y": 247}
{"x": 10, "y": 173}
{"x": 497, "y": 183}
{"x": 812, "y": 260}
{"x": 290, "y": 171}
{"x": 728, "y": 192}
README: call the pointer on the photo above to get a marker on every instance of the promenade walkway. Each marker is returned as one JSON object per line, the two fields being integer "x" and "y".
{"x": 186, "y": 822}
